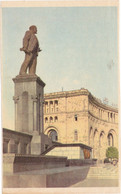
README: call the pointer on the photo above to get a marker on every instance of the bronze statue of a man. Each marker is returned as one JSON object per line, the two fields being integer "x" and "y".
{"x": 31, "y": 49}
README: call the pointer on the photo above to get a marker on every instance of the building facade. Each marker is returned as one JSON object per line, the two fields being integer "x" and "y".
{"x": 78, "y": 117}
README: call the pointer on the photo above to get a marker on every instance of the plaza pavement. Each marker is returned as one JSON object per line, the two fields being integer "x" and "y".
{"x": 105, "y": 175}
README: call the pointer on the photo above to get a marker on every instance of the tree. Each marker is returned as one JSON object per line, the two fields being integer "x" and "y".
{"x": 112, "y": 152}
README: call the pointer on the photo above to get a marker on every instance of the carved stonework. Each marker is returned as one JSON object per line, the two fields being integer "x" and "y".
{"x": 42, "y": 103}
{"x": 15, "y": 98}
{"x": 34, "y": 98}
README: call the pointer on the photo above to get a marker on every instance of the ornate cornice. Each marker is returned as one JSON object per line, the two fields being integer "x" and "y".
{"x": 66, "y": 94}
{"x": 98, "y": 103}
{"x": 82, "y": 91}
{"x": 28, "y": 78}
{"x": 99, "y": 119}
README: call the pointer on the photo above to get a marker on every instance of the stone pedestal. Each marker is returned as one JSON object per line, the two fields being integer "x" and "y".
{"x": 29, "y": 99}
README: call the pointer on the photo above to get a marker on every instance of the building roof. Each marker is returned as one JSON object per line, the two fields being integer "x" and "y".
{"x": 79, "y": 92}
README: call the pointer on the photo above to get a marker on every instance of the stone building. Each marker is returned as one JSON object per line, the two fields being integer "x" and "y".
{"x": 78, "y": 117}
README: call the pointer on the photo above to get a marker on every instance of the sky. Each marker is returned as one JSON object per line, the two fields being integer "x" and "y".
{"x": 79, "y": 50}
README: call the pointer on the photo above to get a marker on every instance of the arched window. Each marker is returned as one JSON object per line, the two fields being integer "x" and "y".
{"x": 51, "y": 119}
{"x": 75, "y": 135}
{"x": 53, "y": 135}
{"x": 56, "y": 119}
{"x": 46, "y": 119}
{"x": 75, "y": 117}
{"x": 91, "y": 136}
{"x": 108, "y": 116}
{"x": 56, "y": 105}
{"x": 111, "y": 115}
{"x": 46, "y": 103}
{"x": 95, "y": 138}
{"x": 51, "y": 106}
{"x": 46, "y": 106}
{"x": 110, "y": 139}
{"x": 56, "y": 102}
{"x": 101, "y": 138}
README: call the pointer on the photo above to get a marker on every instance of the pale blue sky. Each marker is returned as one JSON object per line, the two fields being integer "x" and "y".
{"x": 79, "y": 50}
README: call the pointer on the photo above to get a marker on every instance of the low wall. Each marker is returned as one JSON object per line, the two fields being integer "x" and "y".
{"x": 62, "y": 177}
{"x": 23, "y": 143}
{"x": 17, "y": 163}
{"x": 16, "y": 142}
{"x": 80, "y": 162}
{"x": 71, "y": 151}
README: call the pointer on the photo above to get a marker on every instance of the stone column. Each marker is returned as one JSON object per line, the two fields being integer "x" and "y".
{"x": 16, "y": 98}
{"x": 11, "y": 146}
{"x": 19, "y": 148}
{"x": 28, "y": 148}
{"x": 5, "y": 145}
{"x": 29, "y": 98}
{"x": 41, "y": 116}
{"x": 35, "y": 103}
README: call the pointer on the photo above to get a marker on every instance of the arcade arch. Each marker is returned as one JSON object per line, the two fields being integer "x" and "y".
{"x": 111, "y": 138}
{"x": 52, "y": 133}
{"x": 91, "y": 136}
{"x": 101, "y": 138}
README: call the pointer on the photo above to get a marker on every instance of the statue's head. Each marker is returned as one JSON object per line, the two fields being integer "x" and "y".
{"x": 33, "y": 29}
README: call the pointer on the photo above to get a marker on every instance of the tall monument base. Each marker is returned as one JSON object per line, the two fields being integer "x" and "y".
{"x": 29, "y": 99}
{"x": 40, "y": 143}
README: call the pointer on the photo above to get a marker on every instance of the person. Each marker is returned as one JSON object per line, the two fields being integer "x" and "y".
{"x": 31, "y": 49}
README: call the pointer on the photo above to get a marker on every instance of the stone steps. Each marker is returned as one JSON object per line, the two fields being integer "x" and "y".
{"x": 104, "y": 172}
{"x": 102, "y": 177}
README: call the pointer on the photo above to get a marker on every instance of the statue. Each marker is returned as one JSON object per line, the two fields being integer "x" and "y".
{"x": 31, "y": 49}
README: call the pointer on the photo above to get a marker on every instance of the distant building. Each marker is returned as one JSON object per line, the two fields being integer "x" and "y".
{"x": 78, "y": 117}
